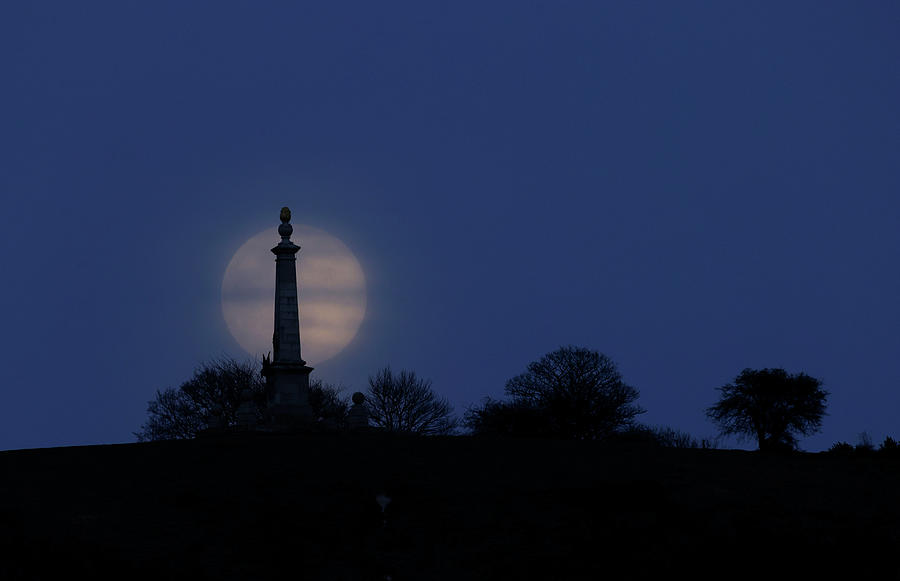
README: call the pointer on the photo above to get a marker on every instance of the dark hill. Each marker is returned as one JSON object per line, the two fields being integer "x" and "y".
{"x": 304, "y": 507}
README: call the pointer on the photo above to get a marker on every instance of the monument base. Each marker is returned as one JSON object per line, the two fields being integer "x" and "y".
{"x": 287, "y": 394}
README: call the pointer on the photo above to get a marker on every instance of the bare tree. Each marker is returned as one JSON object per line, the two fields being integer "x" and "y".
{"x": 405, "y": 403}
{"x": 214, "y": 393}
{"x": 172, "y": 416}
{"x": 572, "y": 392}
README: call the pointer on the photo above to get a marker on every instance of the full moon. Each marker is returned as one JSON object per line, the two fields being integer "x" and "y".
{"x": 330, "y": 281}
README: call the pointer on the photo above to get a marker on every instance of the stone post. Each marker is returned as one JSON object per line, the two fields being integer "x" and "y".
{"x": 358, "y": 416}
{"x": 287, "y": 375}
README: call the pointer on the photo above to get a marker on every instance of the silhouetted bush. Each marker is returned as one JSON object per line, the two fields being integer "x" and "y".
{"x": 502, "y": 418}
{"x": 635, "y": 434}
{"x": 864, "y": 445}
{"x": 671, "y": 438}
{"x": 771, "y": 406}
{"x": 662, "y": 436}
{"x": 889, "y": 447}
{"x": 572, "y": 392}
{"x": 842, "y": 448}
{"x": 405, "y": 403}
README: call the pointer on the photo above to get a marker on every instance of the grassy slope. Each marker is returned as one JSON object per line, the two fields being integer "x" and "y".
{"x": 462, "y": 508}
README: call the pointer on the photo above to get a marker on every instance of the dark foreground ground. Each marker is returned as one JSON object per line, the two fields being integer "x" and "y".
{"x": 304, "y": 507}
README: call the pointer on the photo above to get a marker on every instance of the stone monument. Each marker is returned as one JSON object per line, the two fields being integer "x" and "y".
{"x": 287, "y": 375}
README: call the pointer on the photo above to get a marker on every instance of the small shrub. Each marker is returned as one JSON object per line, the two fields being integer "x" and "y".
{"x": 663, "y": 436}
{"x": 672, "y": 438}
{"x": 865, "y": 443}
{"x": 635, "y": 434}
{"x": 841, "y": 448}
{"x": 889, "y": 447}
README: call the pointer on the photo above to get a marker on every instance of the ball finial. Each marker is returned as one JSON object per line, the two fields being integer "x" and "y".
{"x": 359, "y": 398}
{"x": 285, "y": 229}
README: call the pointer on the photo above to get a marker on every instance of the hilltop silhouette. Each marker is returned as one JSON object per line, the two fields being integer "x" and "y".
{"x": 250, "y": 506}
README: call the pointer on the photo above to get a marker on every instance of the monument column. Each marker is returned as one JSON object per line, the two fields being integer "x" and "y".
{"x": 287, "y": 375}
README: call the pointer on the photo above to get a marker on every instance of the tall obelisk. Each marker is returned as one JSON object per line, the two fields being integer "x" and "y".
{"x": 287, "y": 375}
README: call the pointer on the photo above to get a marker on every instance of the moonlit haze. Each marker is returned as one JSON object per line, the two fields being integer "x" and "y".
{"x": 332, "y": 293}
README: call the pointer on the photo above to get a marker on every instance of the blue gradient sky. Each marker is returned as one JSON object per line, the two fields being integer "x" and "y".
{"x": 689, "y": 187}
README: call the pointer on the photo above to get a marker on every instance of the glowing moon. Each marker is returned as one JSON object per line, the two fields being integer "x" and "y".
{"x": 332, "y": 293}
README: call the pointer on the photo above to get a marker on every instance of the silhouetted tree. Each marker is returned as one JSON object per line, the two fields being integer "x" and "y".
{"x": 572, "y": 392}
{"x": 771, "y": 406}
{"x": 327, "y": 403}
{"x": 172, "y": 416}
{"x": 214, "y": 391}
{"x": 405, "y": 403}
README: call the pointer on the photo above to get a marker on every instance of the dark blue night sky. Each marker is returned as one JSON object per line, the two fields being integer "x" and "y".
{"x": 691, "y": 188}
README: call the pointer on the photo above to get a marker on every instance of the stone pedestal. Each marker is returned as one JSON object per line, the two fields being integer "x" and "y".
{"x": 287, "y": 389}
{"x": 246, "y": 412}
